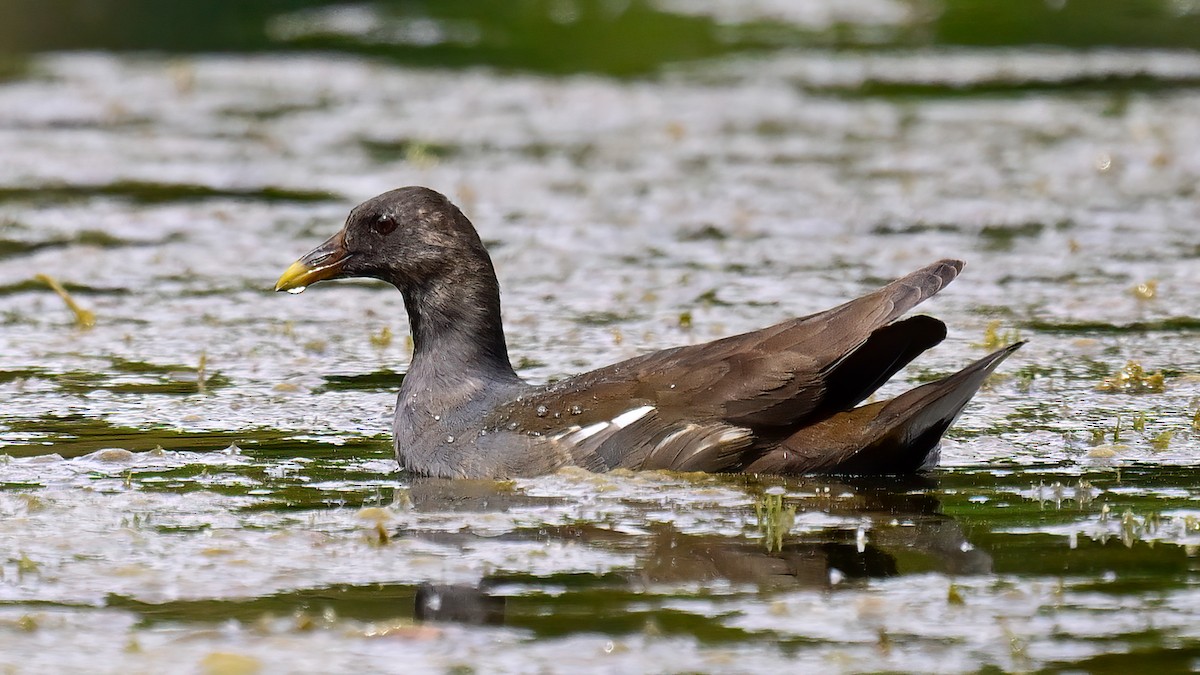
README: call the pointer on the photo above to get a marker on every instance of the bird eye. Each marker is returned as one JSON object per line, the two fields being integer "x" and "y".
{"x": 384, "y": 225}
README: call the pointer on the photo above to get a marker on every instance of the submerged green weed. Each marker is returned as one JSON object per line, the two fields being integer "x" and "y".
{"x": 774, "y": 520}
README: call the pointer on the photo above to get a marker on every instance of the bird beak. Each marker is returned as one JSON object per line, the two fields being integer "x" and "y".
{"x": 323, "y": 262}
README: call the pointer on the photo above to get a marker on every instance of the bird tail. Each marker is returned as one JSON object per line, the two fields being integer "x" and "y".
{"x": 897, "y": 436}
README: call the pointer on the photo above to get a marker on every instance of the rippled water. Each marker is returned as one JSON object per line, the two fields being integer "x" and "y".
{"x": 203, "y": 480}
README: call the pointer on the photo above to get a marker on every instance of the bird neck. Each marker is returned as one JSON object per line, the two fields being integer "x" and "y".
{"x": 456, "y": 328}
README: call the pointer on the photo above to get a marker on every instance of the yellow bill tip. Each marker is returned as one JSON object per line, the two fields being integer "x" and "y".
{"x": 295, "y": 279}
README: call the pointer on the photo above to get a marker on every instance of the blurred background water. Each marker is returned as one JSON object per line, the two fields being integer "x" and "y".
{"x": 202, "y": 479}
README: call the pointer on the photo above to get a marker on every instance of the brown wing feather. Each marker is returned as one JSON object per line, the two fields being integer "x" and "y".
{"x": 775, "y": 376}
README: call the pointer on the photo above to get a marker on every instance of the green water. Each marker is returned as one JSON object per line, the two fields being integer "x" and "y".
{"x": 203, "y": 482}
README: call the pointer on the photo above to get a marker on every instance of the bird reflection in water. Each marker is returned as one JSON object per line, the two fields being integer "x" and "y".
{"x": 901, "y": 531}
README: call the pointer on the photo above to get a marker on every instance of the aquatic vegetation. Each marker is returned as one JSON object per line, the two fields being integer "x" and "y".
{"x": 126, "y": 376}
{"x": 994, "y": 338}
{"x": 1133, "y": 379}
{"x": 419, "y": 153}
{"x": 1100, "y": 437}
{"x": 706, "y": 232}
{"x": 953, "y": 596}
{"x": 383, "y": 338}
{"x": 774, "y": 520}
{"x": 14, "y": 247}
{"x": 378, "y": 518}
{"x": 382, "y": 380}
{"x": 1147, "y": 290}
{"x": 525, "y": 362}
{"x": 1026, "y": 375}
{"x": 26, "y": 565}
{"x": 1091, "y": 328}
{"x": 1162, "y": 440}
{"x": 141, "y": 192}
{"x": 201, "y": 372}
{"x": 1003, "y": 237}
{"x": 605, "y": 318}
{"x": 709, "y": 299}
{"x": 84, "y": 318}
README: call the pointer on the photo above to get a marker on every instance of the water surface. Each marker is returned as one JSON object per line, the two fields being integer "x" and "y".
{"x": 203, "y": 479}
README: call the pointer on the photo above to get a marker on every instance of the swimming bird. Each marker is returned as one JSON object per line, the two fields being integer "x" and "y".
{"x": 784, "y": 399}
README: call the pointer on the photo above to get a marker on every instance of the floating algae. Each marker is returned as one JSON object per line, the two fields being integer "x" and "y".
{"x": 1146, "y": 290}
{"x": 1133, "y": 379}
{"x": 993, "y": 338}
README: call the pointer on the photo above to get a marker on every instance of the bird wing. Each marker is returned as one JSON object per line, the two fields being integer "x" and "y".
{"x": 778, "y": 376}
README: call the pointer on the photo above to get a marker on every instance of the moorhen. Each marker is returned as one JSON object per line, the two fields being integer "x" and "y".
{"x": 783, "y": 399}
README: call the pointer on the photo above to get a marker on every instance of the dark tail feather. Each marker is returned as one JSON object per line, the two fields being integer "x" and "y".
{"x": 889, "y": 349}
{"x": 897, "y": 436}
{"x": 908, "y": 429}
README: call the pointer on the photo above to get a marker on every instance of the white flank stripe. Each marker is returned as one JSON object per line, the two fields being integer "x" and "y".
{"x": 630, "y": 416}
{"x": 675, "y": 434}
{"x": 733, "y": 435}
{"x": 564, "y": 433}
{"x": 589, "y": 431}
